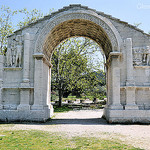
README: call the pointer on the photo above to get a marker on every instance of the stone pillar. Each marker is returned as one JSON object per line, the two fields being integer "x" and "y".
{"x": 130, "y": 98}
{"x": 1, "y": 80}
{"x": 129, "y": 61}
{"x": 26, "y": 58}
{"x": 25, "y": 85}
{"x": 130, "y": 88}
{"x": 108, "y": 78}
{"x": 115, "y": 72}
{"x": 38, "y": 82}
{"x": 24, "y": 99}
{"x": 49, "y": 86}
{"x": 48, "y": 94}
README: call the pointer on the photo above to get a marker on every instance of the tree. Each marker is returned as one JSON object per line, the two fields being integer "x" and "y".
{"x": 29, "y": 17}
{"x": 98, "y": 89}
{"x": 137, "y": 24}
{"x": 6, "y": 27}
{"x": 73, "y": 68}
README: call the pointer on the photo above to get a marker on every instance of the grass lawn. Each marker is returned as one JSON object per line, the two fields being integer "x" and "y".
{"x": 61, "y": 109}
{"x": 38, "y": 140}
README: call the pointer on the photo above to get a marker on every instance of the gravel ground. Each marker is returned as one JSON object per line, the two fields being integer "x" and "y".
{"x": 88, "y": 123}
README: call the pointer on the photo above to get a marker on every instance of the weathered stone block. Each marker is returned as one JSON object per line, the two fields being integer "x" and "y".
{"x": 25, "y": 72}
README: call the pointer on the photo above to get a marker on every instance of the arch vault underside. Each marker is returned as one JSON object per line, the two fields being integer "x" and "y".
{"x": 26, "y": 95}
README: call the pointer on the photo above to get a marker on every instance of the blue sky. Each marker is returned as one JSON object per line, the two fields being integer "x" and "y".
{"x": 132, "y": 11}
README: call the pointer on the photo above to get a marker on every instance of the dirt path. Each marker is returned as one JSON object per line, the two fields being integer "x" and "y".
{"x": 89, "y": 123}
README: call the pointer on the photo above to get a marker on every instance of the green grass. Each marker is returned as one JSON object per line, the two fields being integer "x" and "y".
{"x": 38, "y": 140}
{"x": 62, "y": 109}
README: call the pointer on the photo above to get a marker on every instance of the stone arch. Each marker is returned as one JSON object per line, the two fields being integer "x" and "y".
{"x": 127, "y": 63}
{"x": 77, "y": 23}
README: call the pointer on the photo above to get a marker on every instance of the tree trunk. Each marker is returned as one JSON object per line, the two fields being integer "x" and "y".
{"x": 60, "y": 97}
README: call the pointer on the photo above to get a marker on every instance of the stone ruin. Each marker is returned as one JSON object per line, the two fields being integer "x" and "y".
{"x": 25, "y": 71}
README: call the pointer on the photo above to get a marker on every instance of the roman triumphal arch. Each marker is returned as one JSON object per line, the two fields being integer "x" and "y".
{"x": 25, "y": 70}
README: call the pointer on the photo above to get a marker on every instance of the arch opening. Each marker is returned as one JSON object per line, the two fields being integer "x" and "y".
{"x": 78, "y": 70}
{"x": 77, "y": 24}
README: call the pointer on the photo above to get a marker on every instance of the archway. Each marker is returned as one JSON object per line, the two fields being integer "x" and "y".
{"x": 76, "y": 24}
{"x": 26, "y": 95}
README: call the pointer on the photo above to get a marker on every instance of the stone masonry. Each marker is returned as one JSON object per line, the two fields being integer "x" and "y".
{"x": 25, "y": 71}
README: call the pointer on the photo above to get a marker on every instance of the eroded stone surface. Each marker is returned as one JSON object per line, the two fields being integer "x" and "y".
{"x": 25, "y": 70}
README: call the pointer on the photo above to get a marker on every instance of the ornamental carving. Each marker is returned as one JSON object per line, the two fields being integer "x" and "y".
{"x": 141, "y": 56}
{"x": 14, "y": 52}
{"x": 78, "y": 14}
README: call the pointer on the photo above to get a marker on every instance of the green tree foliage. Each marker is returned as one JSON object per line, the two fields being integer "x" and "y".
{"x": 98, "y": 88}
{"x": 137, "y": 24}
{"x": 6, "y": 24}
{"x": 29, "y": 17}
{"x": 73, "y": 69}
{"x": 6, "y": 27}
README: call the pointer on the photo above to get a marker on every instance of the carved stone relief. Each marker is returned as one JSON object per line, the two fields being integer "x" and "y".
{"x": 141, "y": 56}
{"x": 71, "y": 16}
{"x": 14, "y": 52}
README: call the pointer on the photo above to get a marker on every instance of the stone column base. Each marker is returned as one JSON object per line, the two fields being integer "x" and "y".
{"x": 116, "y": 107}
{"x": 37, "y": 107}
{"x": 127, "y": 116}
{"x": 26, "y": 115}
{"x": 23, "y": 107}
{"x": 131, "y": 107}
